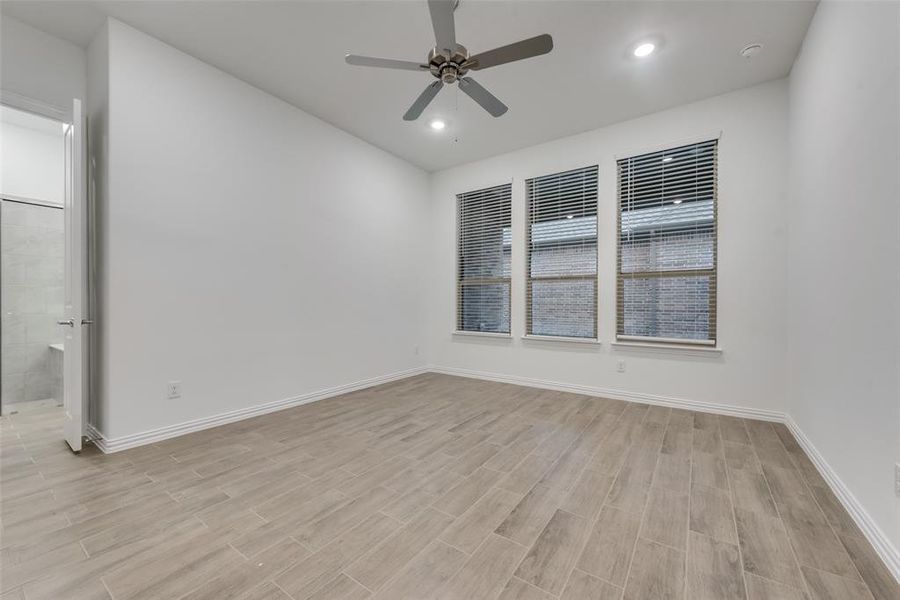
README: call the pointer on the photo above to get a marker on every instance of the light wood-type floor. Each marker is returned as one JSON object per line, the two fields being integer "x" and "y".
{"x": 433, "y": 487}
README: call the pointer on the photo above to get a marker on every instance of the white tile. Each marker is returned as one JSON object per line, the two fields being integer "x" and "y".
{"x": 13, "y": 269}
{"x": 14, "y": 358}
{"x": 13, "y": 329}
{"x": 57, "y": 333}
{"x": 54, "y": 243}
{"x": 46, "y": 217}
{"x": 15, "y": 239}
{"x": 39, "y": 328}
{"x": 33, "y": 300}
{"x": 13, "y": 387}
{"x": 37, "y": 357}
{"x": 38, "y": 385}
{"x": 55, "y": 300}
{"x": 12, "y": 298}
{"x": 44, "y": 270}
{"x": 13, "y": 213}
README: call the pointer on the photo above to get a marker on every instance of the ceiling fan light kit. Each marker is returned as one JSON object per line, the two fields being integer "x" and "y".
{"x": 449, "y": 62}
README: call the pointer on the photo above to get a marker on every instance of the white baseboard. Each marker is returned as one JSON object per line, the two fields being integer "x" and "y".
{"x": 111, "y": 445}
{"x": 883, "y": 546}
{"x": 613, "y": 394}
{"x": 94, "y": 436}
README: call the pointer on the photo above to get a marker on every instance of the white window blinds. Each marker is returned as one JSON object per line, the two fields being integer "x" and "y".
{"x": 483, "y": 260}
{"x": 561, "y": 245}
{"x": 666, "y": 284}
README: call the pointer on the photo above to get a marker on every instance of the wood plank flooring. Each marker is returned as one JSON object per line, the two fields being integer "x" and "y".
{"x": 432, "y": 487}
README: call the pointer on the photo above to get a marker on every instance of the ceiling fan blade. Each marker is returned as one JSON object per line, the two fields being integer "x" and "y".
{"x": 444, "y": 25}
{"x": 535, "y": 46}
{"x": 487, "y": 100}
{"x": 384, "y": 63}
{"x": 423, "y": 100}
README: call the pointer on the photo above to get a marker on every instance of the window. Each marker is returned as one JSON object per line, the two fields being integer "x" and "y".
{"x": 483, "y": 258}
{"x": 666, "y": 288}
{"x": 561, "y": 271}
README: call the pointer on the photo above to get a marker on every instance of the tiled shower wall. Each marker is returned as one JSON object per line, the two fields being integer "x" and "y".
{"x": 31, "y": 299}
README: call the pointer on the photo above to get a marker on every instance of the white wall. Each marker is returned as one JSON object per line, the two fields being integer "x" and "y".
{"x": 97, "y": 113}
{"x": 752, "y": 180}
{"x": 32, "y": 155}
{"x": 251, "y": 251}
{"x": 844, "y": 292}
{"x": 39, "y": 66}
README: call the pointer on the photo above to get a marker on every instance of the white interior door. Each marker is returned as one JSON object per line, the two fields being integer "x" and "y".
{"x": 73, "y": 321}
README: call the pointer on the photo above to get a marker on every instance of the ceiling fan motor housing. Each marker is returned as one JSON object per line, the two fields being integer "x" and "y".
{"x": 448, "y": 69}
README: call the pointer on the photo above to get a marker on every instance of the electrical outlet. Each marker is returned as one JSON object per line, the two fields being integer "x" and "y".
{"x": 173, "y": 390}
{"x": 897, "y": 478}
{"x": 620, "y": 366}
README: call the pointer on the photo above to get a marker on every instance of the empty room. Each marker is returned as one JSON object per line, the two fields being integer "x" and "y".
{"x": 450, "y": 300}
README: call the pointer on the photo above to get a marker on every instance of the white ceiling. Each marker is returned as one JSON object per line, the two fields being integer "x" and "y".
{"x": 295, "y": 50}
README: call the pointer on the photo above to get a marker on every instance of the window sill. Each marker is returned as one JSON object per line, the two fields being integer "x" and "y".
{"x": 674, "y": 348}
{"x": 489, "y": 334}
{"x": 562, "y": 338}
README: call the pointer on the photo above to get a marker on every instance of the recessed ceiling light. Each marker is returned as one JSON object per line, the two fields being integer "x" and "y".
{"x": 569, "y": 216}
{"x": 668, "y": 159}
{"x": 678, "y": 201}
{"x": 437, "y": 124}
{"x": 751, "y": 50}
{"x": 644, "y": 49}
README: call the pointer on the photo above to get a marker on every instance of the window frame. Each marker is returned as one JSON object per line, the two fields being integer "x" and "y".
{"x": 459, "y": 280}
{"x": 528, "y": 279}
{"x": 624, "y": 340}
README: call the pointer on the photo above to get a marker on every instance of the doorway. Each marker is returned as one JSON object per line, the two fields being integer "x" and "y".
{"x": 32, "y": 239}
{"x": 42, "y": 242}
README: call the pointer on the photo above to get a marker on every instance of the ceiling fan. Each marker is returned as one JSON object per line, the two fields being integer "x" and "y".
{"x": 449, "y": 62}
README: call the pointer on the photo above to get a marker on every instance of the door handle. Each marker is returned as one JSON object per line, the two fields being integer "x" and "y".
{"x": 69, "y": 322}
{"x": 87, "y": 321}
